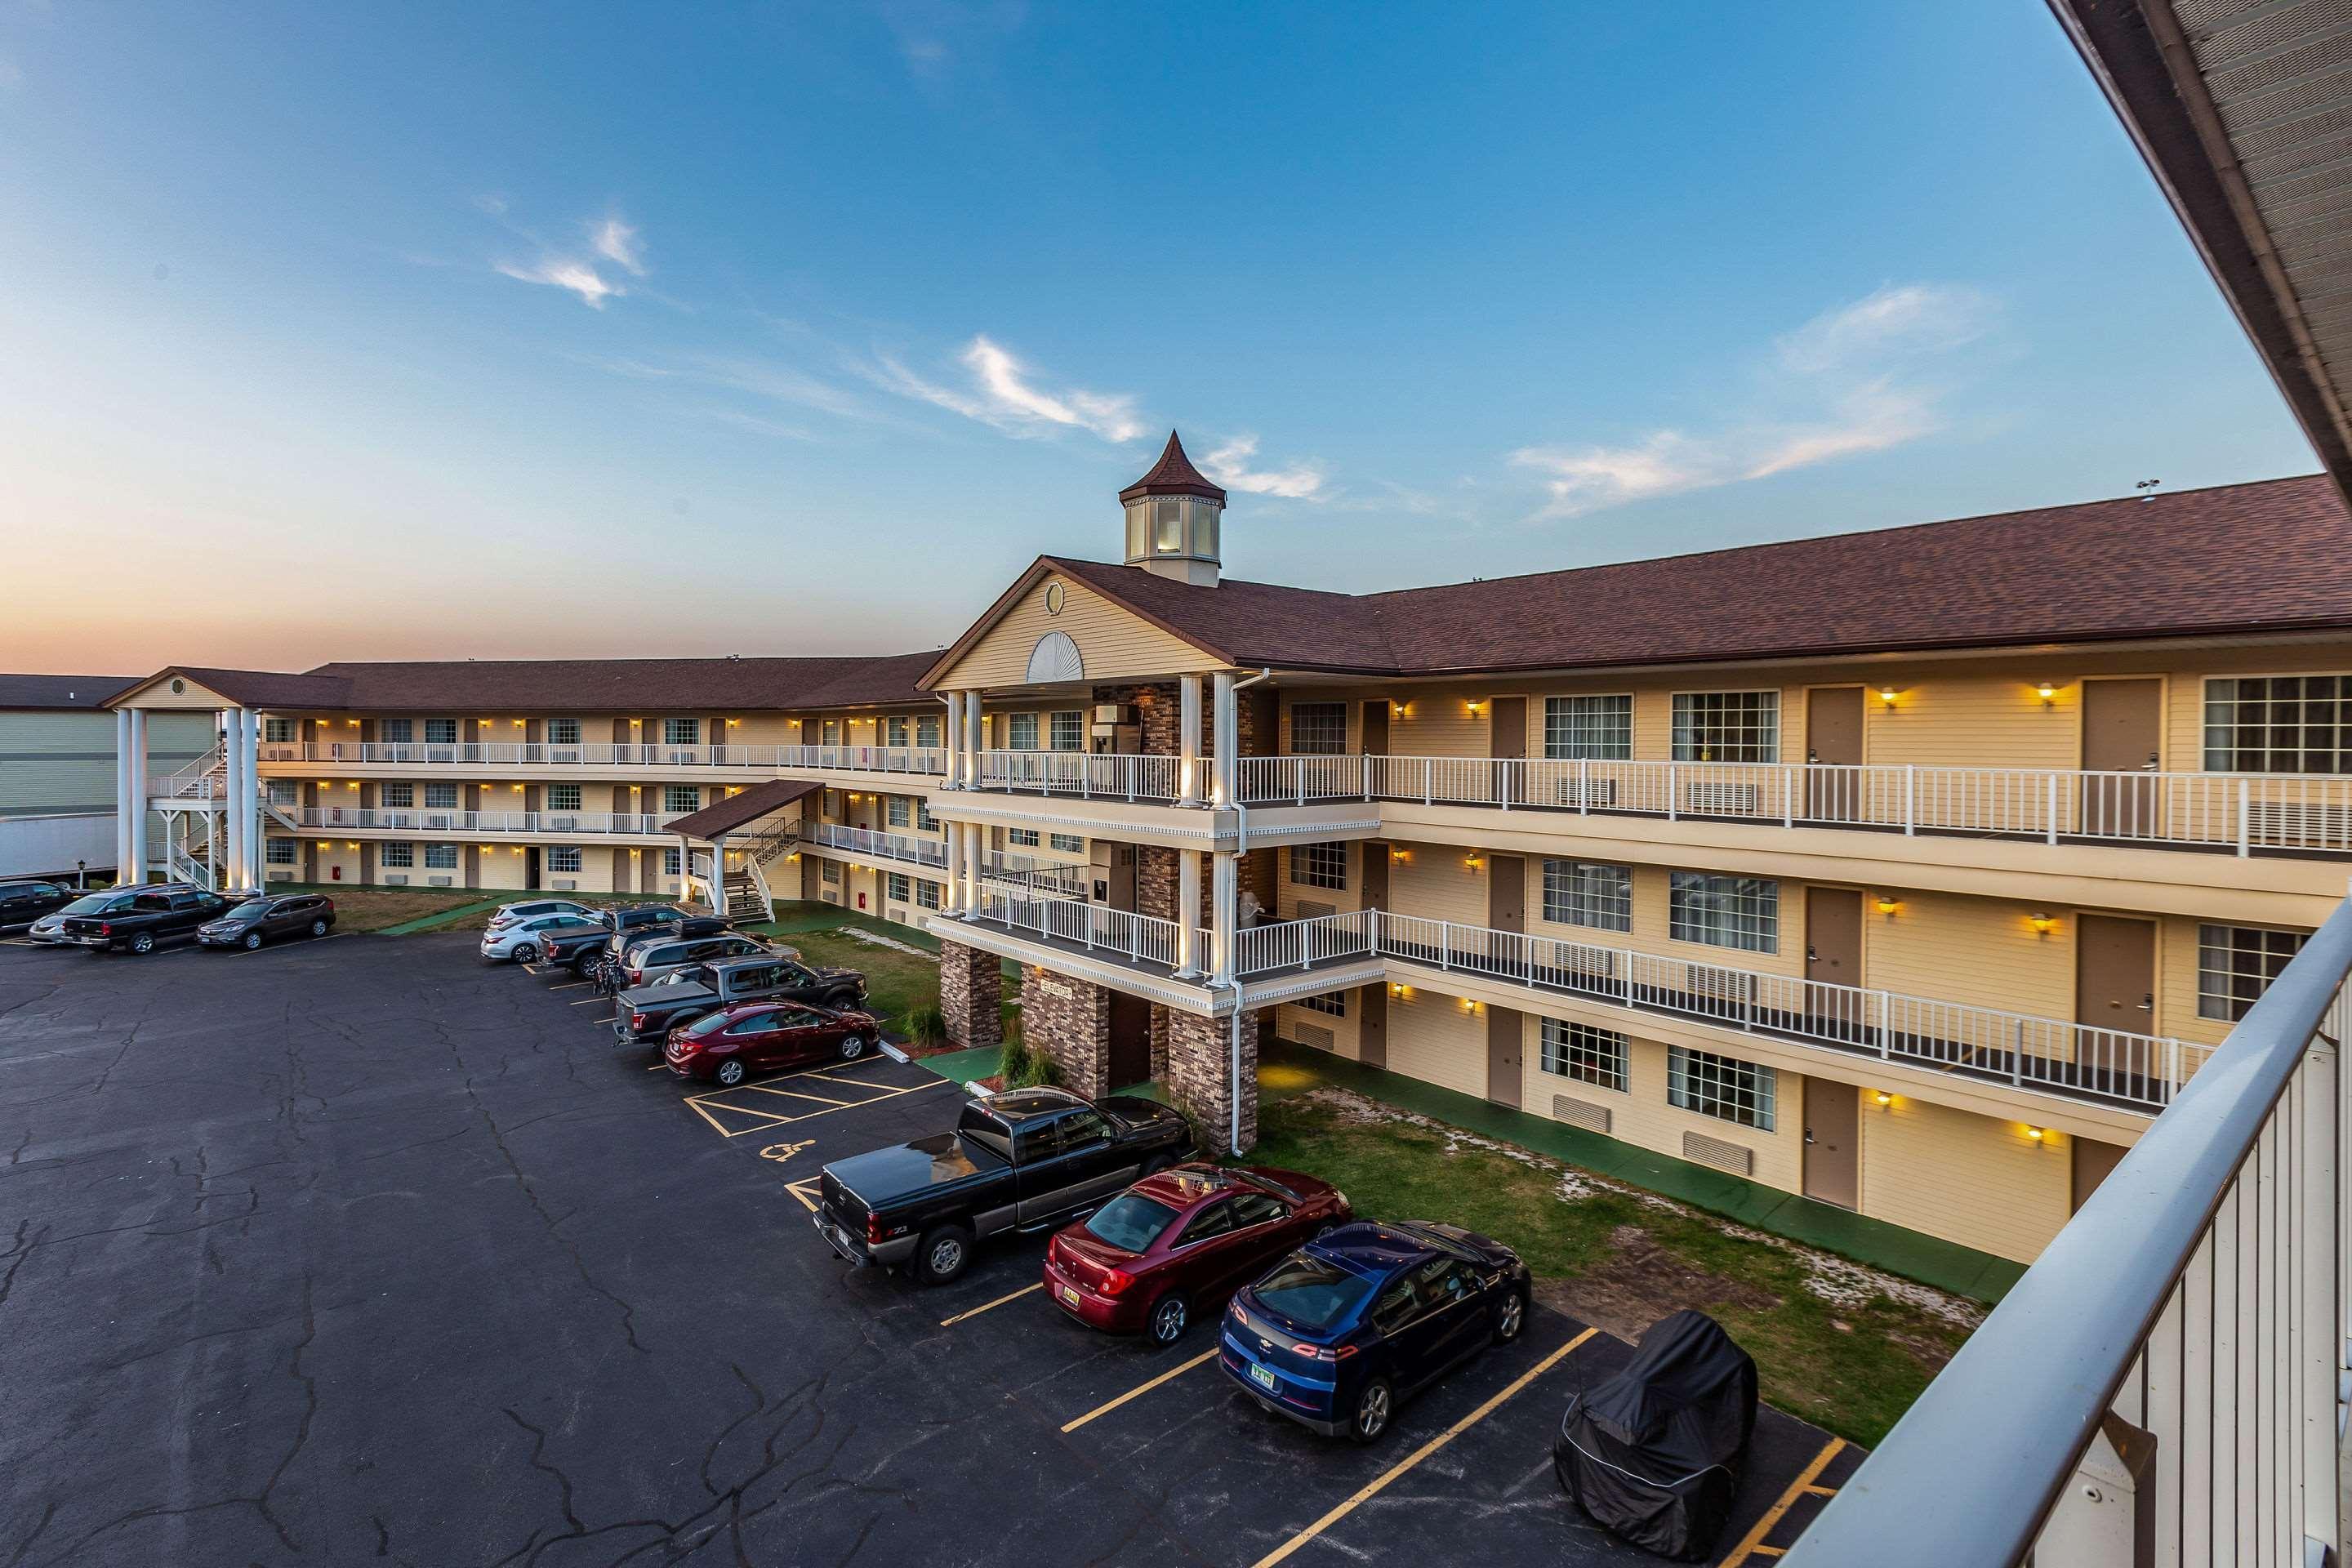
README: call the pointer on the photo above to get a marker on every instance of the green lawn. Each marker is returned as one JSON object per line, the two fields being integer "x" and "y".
{"x": 1607, "y": 1255}
{"x": 896, "y": 982}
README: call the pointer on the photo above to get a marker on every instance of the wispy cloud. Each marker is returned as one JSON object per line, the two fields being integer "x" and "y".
{"x": 577, "y": 276}
{"x": 1006, "y": 393}
{"x": 932, "y": 33}
{"x": 1855, "y": 368}
{"x": 617, "y": 241}
{"x": 612, "y": 238}
{"x": 1230, "y": 465}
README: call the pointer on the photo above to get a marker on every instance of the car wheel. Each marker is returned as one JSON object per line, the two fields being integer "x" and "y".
{"x": 1374, "y": 1406}
{"x": 318, "y": 927}
{"x": 730, "y": 1071}
{"x": 1511, "y": 1317}
{"x": 144, "y": 943}
{"x": 852, "y": 1046}
{"x": 526, "y": 953}
{"x": 1170, "y": 1316}
{"x": 252, "y": 941}
{"x": 942, "y": 1254}
{"x": 841, "y": 1002}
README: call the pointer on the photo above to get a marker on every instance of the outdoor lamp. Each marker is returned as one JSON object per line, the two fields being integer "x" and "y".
{"x": 2042, "y": 925}
{"x": 1887, "y": 904}
{"x": 2048, "y": 693}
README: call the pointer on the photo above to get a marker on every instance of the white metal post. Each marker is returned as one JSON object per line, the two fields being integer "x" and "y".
{"x": 1187, "y": 909}
{"x": 1188, "y": 742}
{"x": 139, "y": 796}
{"x": 230, "y": 876}
{"x": 1226, "y": 789}
{"x": 1224, "y": 888}
{"x": 125, "y": 798}
{"x": 248, "y": 802}
{"x": 975, "y": 738}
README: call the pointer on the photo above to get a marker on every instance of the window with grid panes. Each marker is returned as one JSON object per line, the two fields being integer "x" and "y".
{"x": 394, "y": 797}
{"x": 672, "y": 862}
{"x": 1597, "y": 728}
{"x": 440, "y": 731}
{"x": 894, "y": 731}
{"x": 395, "y": 732}
{"x": 564, "y": 731}
{"x": 1726, "y": 726}
{"x": 829, "y": 870}
{"x": 900, "y": 888}
{"x": 681, "y": 732}
{"x": 440, "y": 797}
{"x": 396, "y": 857}
{"x": 1724, "y": 912}
{"x": 1021, "y": 731}
{"x": 1588, "y": 893}
{"x": 440, "y": 857}
{"x": 1026, "y": 838}
{"x": 284, "y": 851}
{"x": 1067, "y": 843}
{"x": 1320, "y": 864}
{"x": 563, "y": 797}
{"x": 1333, "y": 1003}
{"x": 1722, "y": 1086}
{"x": 563, "y": 857}
{"x": 2235, "y": 964}
{"x": 902, "y": 811}
{"x": 681, "y": 797}
{"x": 277, "y": 731}
{"x": 1588, "y": 1055}
{"x": 1069, "y": 732}
{"x": 927, "y": 895}
{"x": 927, "y": 730}
{"x": 923, "y": 817}
{"x": 2279, "y": 724}
{"x": 1319, "y": 728}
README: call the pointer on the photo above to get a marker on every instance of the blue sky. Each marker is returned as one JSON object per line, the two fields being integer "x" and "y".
{"x": 540, "y": 331}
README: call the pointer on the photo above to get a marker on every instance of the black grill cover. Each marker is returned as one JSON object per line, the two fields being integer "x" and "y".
{"x": 1653, "y": 1454}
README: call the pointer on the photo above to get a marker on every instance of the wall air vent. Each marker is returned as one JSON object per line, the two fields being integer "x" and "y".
{"x": 1581, "y": 1113}
{"x": 1736, "y": 1158}
{"x": 397, "y": 879}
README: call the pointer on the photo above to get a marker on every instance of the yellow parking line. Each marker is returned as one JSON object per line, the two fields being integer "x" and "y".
{"x": 572, "y": 986}
{"x": 807, "y": 1202}
{"x": 584, "y": 1001}
{"x": 707, "y": 1117}
{"x": 1424, "y": 1451}
{"x": 1752, "y": 1543}
{"x": 796, "y": 1094}
{"x": 976, "y": 1312}
{"x": 1209, "y": 1354}
{"x": 774, "y": 1119}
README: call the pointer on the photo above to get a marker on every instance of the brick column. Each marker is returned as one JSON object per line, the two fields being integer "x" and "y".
{"x": 1069, "y": 1021}
{"x": 1160, "y": 1013}
{"x": 971, "y": 995}
{"x": 1200, "y": 1053}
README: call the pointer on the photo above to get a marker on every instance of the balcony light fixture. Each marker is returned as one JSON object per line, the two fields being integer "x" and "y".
{"x": 2037, "y": 1133}
{"x": 1886, "y": 696}
{"x": 1473, "y": 860}
{"x": 1400, "y": 709}
{"x": 2042, "y": 925}
{"x": 732, "y": 722}
{"x": 1400, "y": 855}
{"x": 2048, "y": 693}
{"x": 1887, "y": 904}
{"x": 1883, "y": 1097}
{"x": 353, "y": 723}
{"x": 518, "y": 723}
{"x": 1475, "y": 703}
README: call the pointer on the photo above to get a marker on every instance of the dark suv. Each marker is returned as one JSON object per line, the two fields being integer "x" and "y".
{"x": 258, "y": 920}
{"x": 22, "y": 903}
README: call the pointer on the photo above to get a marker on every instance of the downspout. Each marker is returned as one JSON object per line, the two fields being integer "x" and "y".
{"x": 1240, "y": 846}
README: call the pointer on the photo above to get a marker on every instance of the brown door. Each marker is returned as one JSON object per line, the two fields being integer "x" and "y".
{"x": 1507, "y": 893}
{"x": 1832, "y": 1133}
{"x": 1506, "y": 740}
{"x": 2093, "y": 1161}
{"x": 1131, "y": 1040}
{"x": 1376, "y": 728}
{"x": 1503, "y": 1057}
{"x": 1833, "y": 747}
{"x": 2114, "y": 988}
{"x": 1372, "y": 1025}
{"x": 1834, "y": 959}
{"x": 1376, "y": 876}
{"x": 2123, "y": 724}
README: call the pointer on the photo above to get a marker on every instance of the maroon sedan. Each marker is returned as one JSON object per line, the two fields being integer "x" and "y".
{"x": 1189, "y": 1234}
{"x": 730, "y": 1045}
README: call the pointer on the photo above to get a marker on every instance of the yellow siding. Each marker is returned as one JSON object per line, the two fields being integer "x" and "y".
{"x": 1435, "y": 1037}
{"x": 1981, "y": 952}
{"x": 1113, "y": 644}
{"x": 1981, "y": 1183}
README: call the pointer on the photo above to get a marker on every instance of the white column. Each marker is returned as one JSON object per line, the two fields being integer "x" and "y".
{"x": 975, "y": 737}
{"x": 230, "y": 874}
{"x": 1223, "y": 917}
{"x": 1226, "y": 788}
{"x": 139, "y": 794}
{"x": 952, "y": 899}
{"x": 248, "y": 799}
{"x": 1188, "y": 743}
{"x": 973, "y": 844}
{"x": 126, "y": 799}
{"x": 955, "y": 773}
{"x": 1188, "y": 909}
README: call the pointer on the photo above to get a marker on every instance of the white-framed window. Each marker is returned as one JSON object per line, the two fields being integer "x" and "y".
{"x": 902, "y": 811}
{"x": 563, "y": 797}
{"x": 1069, "y": 732}
{"x": 1333, "y": 1004}
{"x": 1021, "y": 731}
{"x": 1067, "y": 843}
{"x": 671, "y": 862}
{"x": 1722, "y": 1086}
{"x": 282, "y": 851}
{"x": 1168, "y": 526}
{"x": 396, "y": 796}
{"x": 1588, "y": 1055}
{"x": 900, "y": 887}
{"x": 1319, "y": 728}
{"x": 1599, "y": 727}
{"x": 395, "y": 732}
{"x": 1588, "y": 893}
{"x": 276, "y": 729}
{"x": 563, "y": 857}
{"x": 1027, "y": 837}
{"x": 927, "y": 895}
{"x": 440, "y": 731}
{"x": 2279, "y": 724}
{"x": 681, "y": 797}
{"x": 396, "y": 857}
{"x": 1726, "y": 726}
{"x": 924, "y": 821}
{"x": 927, "y": 729}
{"x": 1320, "y": 864}
{"x": 2235, "y": 964}
{"x": 830, "y": 870}
{"x": 284, "y": 791}
{"x": 893, "y": 730}
{"x": 681, "y": 732}
{"x": 1724, "y": 912}
{"x": 564, "y": 731}
{"x": 440, "y": 857}
{"x": 441, "y": 797}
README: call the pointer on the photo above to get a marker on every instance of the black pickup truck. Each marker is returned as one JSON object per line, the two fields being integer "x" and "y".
{"x": 646, "y": 1014}
{"x": 1028, "y": 1160}
{"x": 152, "y": 918}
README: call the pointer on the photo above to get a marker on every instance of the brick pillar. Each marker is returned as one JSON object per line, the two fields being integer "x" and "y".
{"x": 1069, "y": 1021}
{"x": 1159, "y": 1017}
{"x": 1200, "y": 1055}
{"x": 971, "y": 995}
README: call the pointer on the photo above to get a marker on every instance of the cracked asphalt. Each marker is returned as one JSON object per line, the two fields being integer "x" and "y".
{"x": 360, "y": 1251}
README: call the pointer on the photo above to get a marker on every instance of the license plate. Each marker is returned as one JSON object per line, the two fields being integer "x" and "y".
{"x": 1070, "y": 1294}
{"x": 1260, "y": 1376}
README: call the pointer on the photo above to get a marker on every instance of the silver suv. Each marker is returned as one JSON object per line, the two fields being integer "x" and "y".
{"x": 649, "y": 961}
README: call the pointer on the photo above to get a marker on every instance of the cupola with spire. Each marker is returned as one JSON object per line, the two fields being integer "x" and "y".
{"x": 1173, "y": 518}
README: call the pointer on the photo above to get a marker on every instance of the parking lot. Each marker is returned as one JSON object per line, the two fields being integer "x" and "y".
{"x": 359, "y": 1249}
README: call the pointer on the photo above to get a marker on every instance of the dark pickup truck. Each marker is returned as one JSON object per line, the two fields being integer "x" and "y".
{"x": 1029, "y": 1160}
{"x": 152, "y": 918}
{"x": 645, "y": 1015}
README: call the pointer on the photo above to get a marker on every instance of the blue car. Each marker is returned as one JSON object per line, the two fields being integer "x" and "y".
{"x": 1361, "y": 1318}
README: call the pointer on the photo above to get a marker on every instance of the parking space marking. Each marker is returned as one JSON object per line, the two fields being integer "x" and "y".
{"x": 1752, "y": 1543}
{"x": 771, "y": 1118}
{"x": 797, "y": 1094}
{"x": 807, "y": 1202}
{"x": 1140, "y": 1390}
{"x": 991, "y": 1306}
{"x": 572, "y": 986}
{"x": 1426, "y": 1449}
{"x": 587, "y": 1001}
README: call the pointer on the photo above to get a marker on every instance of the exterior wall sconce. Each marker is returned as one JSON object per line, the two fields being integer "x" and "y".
{"x": 351, "y": 847}
{"x": 1473, "y": 862}
{"x": 1400, "y": 991}
{"x": 1887, "y": 904}
{"x": 2048, "y": 693}
{"x": 353, "y": 723}
{"x": 1883, "y": 1097}
{"x": 1470, "y": 1006}
{"x": 2037, "y": 1133}
{"x": 516, "y": 788}
{"x": 353, "y": 784}
{"x": 1400, "y": 708}
{"x": 1887, "y": 695}
{"x": 732, "y": 722}
{"x": 795, "y": 855}
{"x": 518, "y": 723}
{"x": 1400, "y": 855}
{"x": 637, "y": 724}
{"x": 2042, "y": 925}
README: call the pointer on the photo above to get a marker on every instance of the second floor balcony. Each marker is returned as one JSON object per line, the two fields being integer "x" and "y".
{"x": 428, "y": 822}
{"x": 926, "y": 763}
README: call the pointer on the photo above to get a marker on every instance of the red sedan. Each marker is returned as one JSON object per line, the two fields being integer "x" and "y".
{"x": 730, "y": 1045}
{"x": 1180, "y": 1238}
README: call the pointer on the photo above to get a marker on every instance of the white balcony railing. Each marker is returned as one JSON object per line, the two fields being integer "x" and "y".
{"x": 877, "y": 846}
{"x": 2048, "y": 1055}
{"x": 2242, "y": 811}
{"x": 2167, "y": 1384}
{"x": 455, "y": 824}
{"x": 911, "y": 760}
{"x": 1097, "y": 928}
{"x": 1092, "y": 775}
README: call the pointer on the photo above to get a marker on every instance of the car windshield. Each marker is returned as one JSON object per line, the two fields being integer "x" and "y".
{"x": 1131, "y": 1222}
{"x": 91, "y": 904}
{"x": 243, "y": 912}
{"x": 1310, "y": 1292}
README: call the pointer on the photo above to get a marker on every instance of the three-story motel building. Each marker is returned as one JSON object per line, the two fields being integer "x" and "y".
{"x": 1911, "y": 871}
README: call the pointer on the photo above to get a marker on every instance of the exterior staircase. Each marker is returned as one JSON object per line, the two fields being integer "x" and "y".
{"x": 747, "y": 897}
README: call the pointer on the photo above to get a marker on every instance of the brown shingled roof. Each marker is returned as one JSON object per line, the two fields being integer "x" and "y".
{"x": 747, "y": 804}
{"x": 1172, "y": 475}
